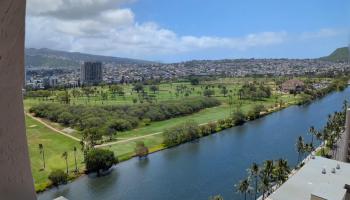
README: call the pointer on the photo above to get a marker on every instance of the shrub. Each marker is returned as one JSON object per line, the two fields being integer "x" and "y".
{"x": 58, "y": 177}
{"x": 255, "y": 112}
{"x": 141, "y": 150}
{"x": 181, "y": 133}
{"x": 123, "y": 117}
{"x": 65, "y": 118}
{"x": 238, "y": 118}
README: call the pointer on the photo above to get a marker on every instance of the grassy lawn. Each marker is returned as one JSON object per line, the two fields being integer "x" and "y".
{"x": 54, "y": 145}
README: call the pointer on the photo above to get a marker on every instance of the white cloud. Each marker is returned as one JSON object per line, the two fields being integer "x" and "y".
{"x": 71, "y": 9}
{"x": 103, "y": 27}
{"x": 322, "y": 33}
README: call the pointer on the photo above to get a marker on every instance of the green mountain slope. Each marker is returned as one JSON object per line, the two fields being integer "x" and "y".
{"x": 61, "y": 59}
{"x": 339, "y": 55}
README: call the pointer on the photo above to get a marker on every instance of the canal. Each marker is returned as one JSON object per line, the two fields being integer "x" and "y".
{"x": 210, "y": 166}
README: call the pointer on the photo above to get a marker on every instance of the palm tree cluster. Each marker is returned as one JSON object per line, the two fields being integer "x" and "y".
{"x": 328, "y": 136}
{"x": 261, "y": 179}
{"x": 303, "y": 147}
{"x": 64, "y": 156}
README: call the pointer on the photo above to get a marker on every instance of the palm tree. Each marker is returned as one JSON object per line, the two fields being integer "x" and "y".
{"x": 267, "y": 173}
{"x": 300, "y": 147}
{"x": 42, "y": 152}
{"x": 268, "y": 168}
{"x": 65, "y": 156}
{"x": 217, "y": 197}
{"x": 313, "y": 133}
{"x": 264, "y": 185}
{"x": 281, "y": 171}
{"x": 243, "y": 187}
{"x": 254, "y": 172}
{"x": 75, "y": 158}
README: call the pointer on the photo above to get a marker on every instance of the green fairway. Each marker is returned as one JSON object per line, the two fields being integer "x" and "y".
{"x": 54, "y": 145}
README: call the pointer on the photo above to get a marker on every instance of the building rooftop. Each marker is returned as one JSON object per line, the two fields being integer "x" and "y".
{"x": 311, "y": 183}
{"x": 61, "y": 198}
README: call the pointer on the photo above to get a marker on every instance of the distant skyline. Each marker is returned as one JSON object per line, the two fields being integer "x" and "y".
{"x": 173, "y": 31}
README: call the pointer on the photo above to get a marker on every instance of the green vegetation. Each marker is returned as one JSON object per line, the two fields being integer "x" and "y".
{"x": 98, "y": 121}
{"x": 328, "y": 136}
{"x": 339, "y": 55}
{"x": 141, "y": 150}
{"x": 181, "y": 134}
{"x": 134, "y": 120}
{"x": 53, "y": 146}
{"x": 100, "y": 159}
{"x": 262, "y": 179}
{"x": 251, "y": 91}
{"x": 58, "y": 177}
{"x": 216, "y": 197}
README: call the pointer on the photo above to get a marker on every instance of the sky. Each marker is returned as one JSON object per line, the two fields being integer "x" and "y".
{"x": 181, "y": 30}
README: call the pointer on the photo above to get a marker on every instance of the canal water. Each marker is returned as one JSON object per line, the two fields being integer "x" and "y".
{"x": 210, "y": 166}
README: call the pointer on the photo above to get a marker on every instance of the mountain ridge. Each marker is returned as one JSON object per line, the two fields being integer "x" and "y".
{"x": 339, "y": 55}
{"x": 45, "y": 57}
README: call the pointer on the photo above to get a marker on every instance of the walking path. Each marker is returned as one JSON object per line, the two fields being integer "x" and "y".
{"x": 52, "y": 128}
{"x": 77, "y": 139}
{"x": 97, "y": 146}
{"x": 127, "y": 140}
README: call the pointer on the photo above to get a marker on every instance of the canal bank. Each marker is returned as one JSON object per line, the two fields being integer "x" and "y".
{"x": 209, "y": 166}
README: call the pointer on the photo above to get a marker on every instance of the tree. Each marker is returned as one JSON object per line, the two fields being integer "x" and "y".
{"x": 194, "y": 81}
{"x": 300, "y": 147}
{"x": 65, "y": 118}
{"x": 254, "y": 172}
{"x": 100, "y": 159}
{"x": 138, "y": 87}
{"x": 281, "y": 171}
{"x": 216, "y": 197}
{"x": 256, "y": 110}
{"x": 264, "y": 185}
{"x": 92, "y": 135}
{"x": 64, "y": 97}
{"x": 42, "y": 152}
{"x": 224, "y": 91}
{"x": 313, "y": 132}
{"x": 267, "y": 173}
{"x": 154, "y": 88}
{"x": 65, "y": 157}
{"x": 208, "y": 92}
{"x": 117, "y": 89}
{"x": 88, "y": 91}
{"x": 238, "y": 118}
{"x": 58, "y": 177}
{"x": 141, "y": 150}
{"x": 75, "y": 158}
{"x": 76, "y": 93}
{"x": 243, "y": 187}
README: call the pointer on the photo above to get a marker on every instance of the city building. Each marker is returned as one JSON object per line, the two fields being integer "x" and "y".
{"x": 319, "y": 179}
{"x": 50, "y": 82}
{"x": 91, "y": 73}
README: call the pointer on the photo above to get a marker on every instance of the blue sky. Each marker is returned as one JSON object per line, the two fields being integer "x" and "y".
{"x": 172, "y": 31}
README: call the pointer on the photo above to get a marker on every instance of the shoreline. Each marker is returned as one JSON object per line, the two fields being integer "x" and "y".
{"x": 155, "y": 149}
{"x": 159, "y": 148}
